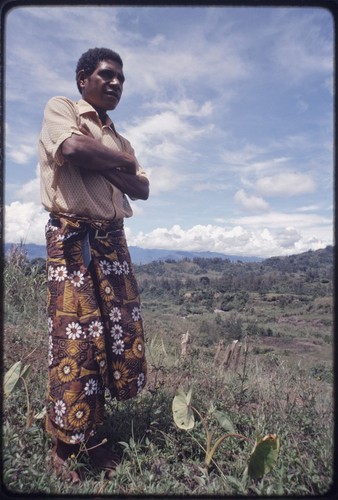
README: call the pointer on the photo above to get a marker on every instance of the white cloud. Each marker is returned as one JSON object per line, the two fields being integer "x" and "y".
{"x": 166, "y": 133}
{"x": 237, "y": 241}
{"x": 241, "y": 156}
{"x": 286, "y": 184}
{"x": 136, "y": 208}
{"x": 22, "y": 153}
{"x": 29, "y": 191}
{"x": 165, "y": 124}
{"x": 25, "y": 222}
{"x": 309, "y": 208}
{"x": 247, "y": 158}
{"x": 251, "y": 203}
{"x": 278, "y": 220}
{"x": 209, "y": 186}
{"x": 183, "y": 107}
{"x": 163, "y": 179}
{"x": 24, "y": 150}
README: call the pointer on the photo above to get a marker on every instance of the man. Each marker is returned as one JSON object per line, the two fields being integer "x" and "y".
{"x": 96, "y": 340}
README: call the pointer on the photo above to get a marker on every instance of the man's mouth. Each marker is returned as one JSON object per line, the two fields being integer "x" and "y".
{"x": 112, "y": 94}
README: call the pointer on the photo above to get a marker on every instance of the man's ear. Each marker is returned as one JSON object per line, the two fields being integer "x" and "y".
{"x": 80, "y": 78}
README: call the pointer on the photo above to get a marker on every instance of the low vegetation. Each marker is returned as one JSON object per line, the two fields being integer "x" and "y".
{"x": 253, "y": 342}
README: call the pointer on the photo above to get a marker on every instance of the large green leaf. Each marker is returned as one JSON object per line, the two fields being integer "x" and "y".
{"x": 224, "y": 421}
{"x": 13, "y": 375}
{"x": 264, "y": 456}
{"x": 25, "y": 371}
{"x": 182, "y": 412}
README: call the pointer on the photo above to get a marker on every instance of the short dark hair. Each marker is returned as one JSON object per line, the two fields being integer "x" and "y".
{"x": 90, "y": 60}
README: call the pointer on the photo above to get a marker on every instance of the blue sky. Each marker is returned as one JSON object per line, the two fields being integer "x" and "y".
{"x": 229, "y": 110}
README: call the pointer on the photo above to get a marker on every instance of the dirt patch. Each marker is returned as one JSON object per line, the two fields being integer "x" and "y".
{"x": 298, "y": 346}
{"x": 296, "y": 320}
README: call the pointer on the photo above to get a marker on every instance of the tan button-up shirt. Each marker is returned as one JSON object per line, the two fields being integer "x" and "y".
{"x": 69, "y": 189}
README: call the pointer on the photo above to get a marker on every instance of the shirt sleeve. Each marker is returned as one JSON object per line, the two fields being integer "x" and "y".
{"x": 129, "y": 149}
{"x": 61, "y": 120}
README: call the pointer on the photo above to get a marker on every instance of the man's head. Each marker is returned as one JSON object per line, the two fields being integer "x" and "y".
{"x": 89, "y": 61}
{"x": 99, "y": 77}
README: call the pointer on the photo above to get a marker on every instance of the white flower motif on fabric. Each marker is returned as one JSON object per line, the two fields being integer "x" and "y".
{"x": 60, "y": 274}
{"x": 136, "y": 314}
{"x": 105, "y": 266}
{"x": 95, "y": 328}
{"x": 73, "y": 330}
{"x": 116, "y": 331}
{"x": 77, "y": 278}
{"x": 118, "y": 347}
{"x": 50, "y": 325}
{"x": 115, "y": 315}
{"x": 60, "y": 237}
{"x": 125, "y": 267}
{"x": 77, "y": 438}
{"x": 50, "y": 358}
{"x": 140, "y": 381}
{"x": 50, "y": 350}
{"x": 60, "y": 407}
{"x": 117, "y": 268}
{"x": 50, "y": 275}
{"x": 91, "y": 387}
{"x": 59, "y": 421}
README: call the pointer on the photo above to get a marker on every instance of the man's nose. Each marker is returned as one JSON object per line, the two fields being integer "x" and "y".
{"x": 115, "y": 81}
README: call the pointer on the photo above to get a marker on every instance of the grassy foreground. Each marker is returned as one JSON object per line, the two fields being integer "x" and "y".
{"x": 261, "y": 394}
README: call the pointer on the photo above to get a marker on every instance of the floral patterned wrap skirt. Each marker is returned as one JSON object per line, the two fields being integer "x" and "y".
{"x": 96, "y": 340}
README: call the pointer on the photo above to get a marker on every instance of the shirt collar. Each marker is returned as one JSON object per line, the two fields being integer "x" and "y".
{"x": 85, "y": 107}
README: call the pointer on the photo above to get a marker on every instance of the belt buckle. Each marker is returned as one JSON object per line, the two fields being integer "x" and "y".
{"x": 97, "y": 234}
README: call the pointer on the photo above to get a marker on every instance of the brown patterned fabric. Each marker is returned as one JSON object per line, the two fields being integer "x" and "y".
{"x": 96, "y": 340}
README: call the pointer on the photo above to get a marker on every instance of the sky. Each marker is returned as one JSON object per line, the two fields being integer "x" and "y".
{"x": 229, "y": 111}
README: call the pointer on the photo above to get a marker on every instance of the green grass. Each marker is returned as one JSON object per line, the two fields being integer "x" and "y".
{"x": 271, "y": 392}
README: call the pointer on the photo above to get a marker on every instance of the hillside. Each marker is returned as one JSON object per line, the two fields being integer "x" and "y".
{"x": 268, "y": 275}
{"x": 258, "y": 350}
{"x": 279, "y": 301}
{"x": 140, "y": 255}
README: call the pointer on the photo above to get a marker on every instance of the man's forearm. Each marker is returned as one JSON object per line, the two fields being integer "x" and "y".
{"x": 90, "y": 154}
{"x": 135, "y": 186}
{"x": 118, "y": 167}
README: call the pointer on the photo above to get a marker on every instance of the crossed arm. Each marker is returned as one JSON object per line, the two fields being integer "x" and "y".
{"x": 118, "y": 167}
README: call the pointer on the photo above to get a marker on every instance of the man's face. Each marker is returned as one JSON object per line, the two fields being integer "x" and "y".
{"x": 103, "y": 88}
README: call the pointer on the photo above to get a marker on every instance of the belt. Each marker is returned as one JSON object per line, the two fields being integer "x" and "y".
{"x": 101, "y": 234}
{"x": 100, "y": 229}
{"x": 104, "y": 229}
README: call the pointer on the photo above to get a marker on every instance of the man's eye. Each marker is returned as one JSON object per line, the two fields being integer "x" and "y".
{"x": 106, "y": 74}
{"x": 109, "y": 75}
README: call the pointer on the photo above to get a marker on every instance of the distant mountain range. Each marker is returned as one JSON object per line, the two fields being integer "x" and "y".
{"x": 144, "y": 255}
